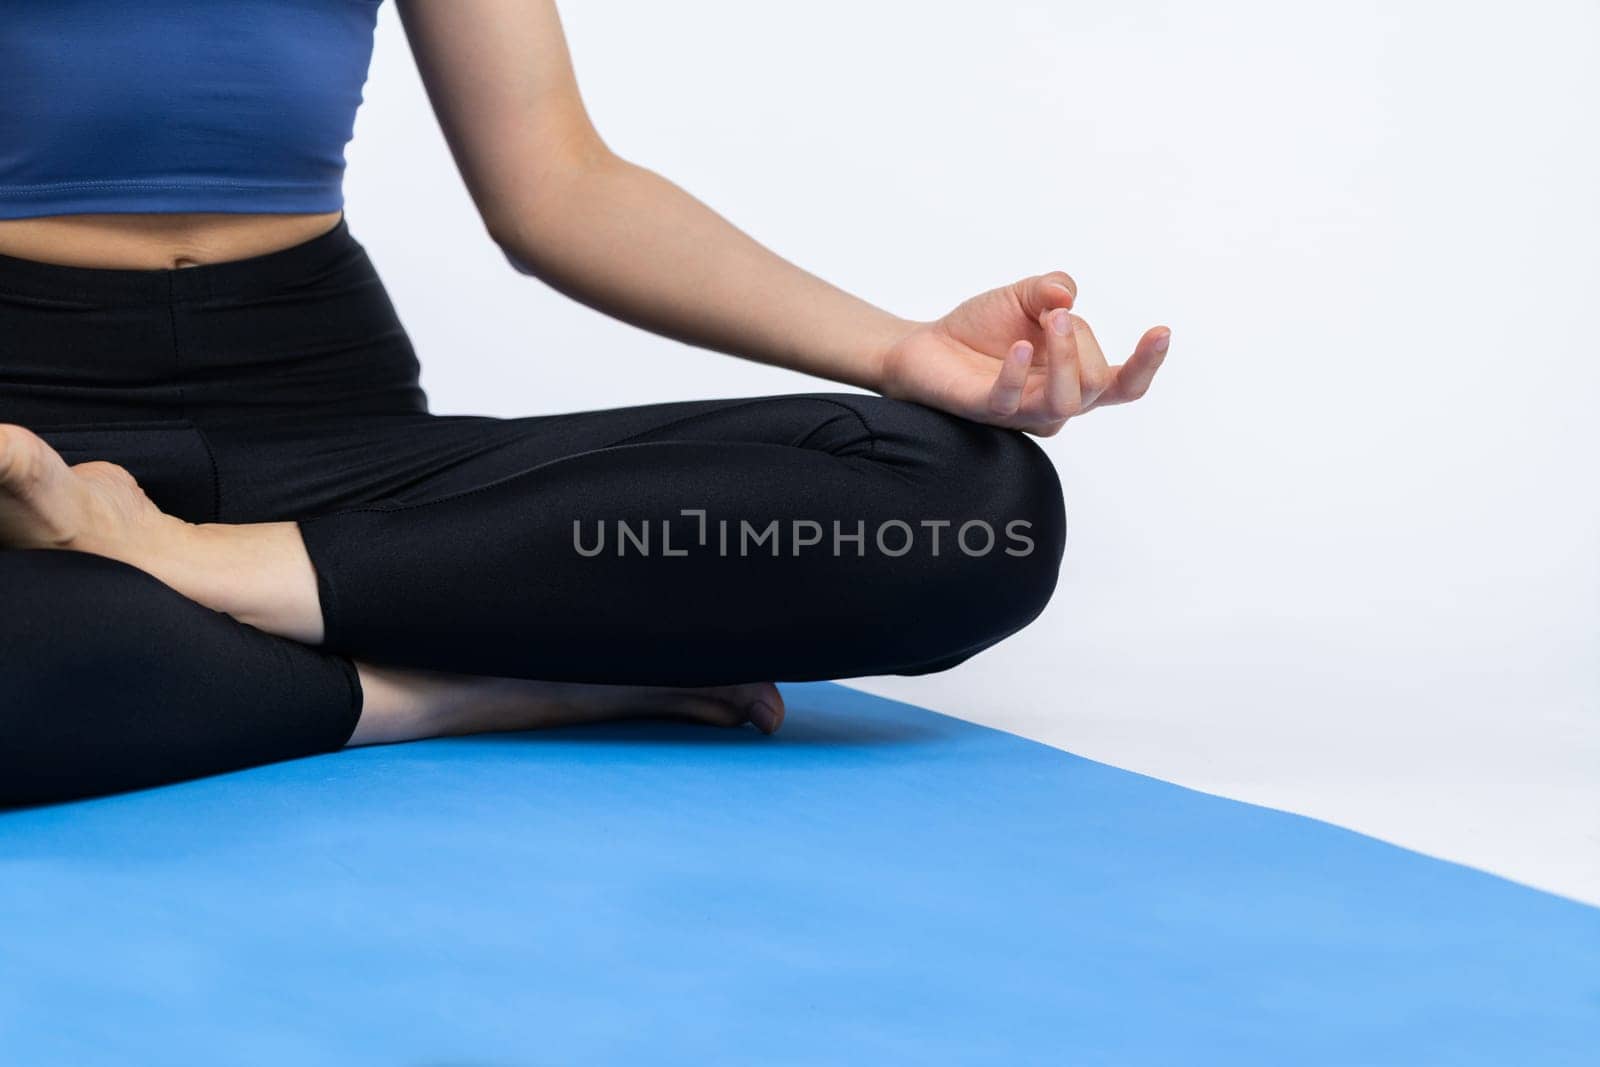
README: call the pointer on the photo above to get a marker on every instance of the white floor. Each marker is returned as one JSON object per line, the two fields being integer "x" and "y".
{"x": 1345, "y": 558}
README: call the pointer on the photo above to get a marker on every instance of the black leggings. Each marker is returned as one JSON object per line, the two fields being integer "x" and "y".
{"x": 781, "y": 538}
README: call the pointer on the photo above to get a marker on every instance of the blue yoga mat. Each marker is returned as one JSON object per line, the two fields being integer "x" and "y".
{"x": 877, "y": 884}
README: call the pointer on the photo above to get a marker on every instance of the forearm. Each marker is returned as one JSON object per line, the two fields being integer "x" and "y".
{"x": 628, "y": 242}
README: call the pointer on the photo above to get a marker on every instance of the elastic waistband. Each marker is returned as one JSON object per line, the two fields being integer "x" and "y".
{"x": 252, "y": 276}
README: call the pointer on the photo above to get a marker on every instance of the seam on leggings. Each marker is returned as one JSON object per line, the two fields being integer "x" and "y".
{"x": 183, "y": 402}
{"x": 327, "y": 597}
{"x": 216, "y": 474}
{"x": 872, "y": 449}
{"x": 754, "y": 401}
{"x": 872, "y": 438}
{"x": 622, "y": 443}
{"x": 866, "y": 428}
{"x": 384, "y": 509}
{"x": 681, "y": 419}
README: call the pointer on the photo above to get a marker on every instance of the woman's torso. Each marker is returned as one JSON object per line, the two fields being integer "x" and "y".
{"x": 156, "y": 241}
{"x": 169, "y": 133}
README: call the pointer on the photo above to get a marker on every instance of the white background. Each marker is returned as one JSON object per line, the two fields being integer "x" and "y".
{"x": 1345, "y": 558}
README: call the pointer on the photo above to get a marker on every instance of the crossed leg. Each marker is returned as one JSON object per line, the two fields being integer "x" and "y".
{"x": 466, "y": 565}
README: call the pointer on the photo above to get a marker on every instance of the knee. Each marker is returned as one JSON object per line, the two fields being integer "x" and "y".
{"x": 1000, "y": 477}
{"x": 1010, "y": 486}
{"x": 1023, "y": 492}
{"x": 1000, "y": 494}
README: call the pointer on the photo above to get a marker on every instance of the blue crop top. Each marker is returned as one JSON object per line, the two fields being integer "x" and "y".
{"x": 178, "y": 105}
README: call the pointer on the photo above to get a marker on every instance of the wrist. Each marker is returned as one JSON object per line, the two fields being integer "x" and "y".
{"x": 876, "y": 366}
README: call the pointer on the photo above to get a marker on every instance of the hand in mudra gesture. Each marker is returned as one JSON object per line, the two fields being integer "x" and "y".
{"x": 1016, "y": 356}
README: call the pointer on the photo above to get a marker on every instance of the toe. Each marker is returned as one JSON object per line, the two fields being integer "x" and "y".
{"x": 20, "y": 464}
{"x": 766, "y": 710}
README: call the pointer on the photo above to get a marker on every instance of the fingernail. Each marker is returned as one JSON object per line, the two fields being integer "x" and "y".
{"x": 1061, "y": 322}
{"x": 1163, "y": 341}
{"x": 1064, "y": 289}
{"x": 764, "y": 715}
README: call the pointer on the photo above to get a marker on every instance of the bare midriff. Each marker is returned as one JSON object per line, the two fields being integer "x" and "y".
{"x": 156, "y": 241}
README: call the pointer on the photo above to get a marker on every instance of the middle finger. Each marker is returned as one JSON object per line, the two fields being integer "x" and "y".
{"x": 1062, "y": 395}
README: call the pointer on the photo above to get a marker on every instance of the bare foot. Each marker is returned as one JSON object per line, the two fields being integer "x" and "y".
{"x": 259, "y": 573}
{"x": 46, "y": 504}
{"x": 403, "y": 705}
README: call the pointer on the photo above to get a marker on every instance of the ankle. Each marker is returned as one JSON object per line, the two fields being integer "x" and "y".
{"x": 406, "y": 705}
{"x": 259, "y": 573}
